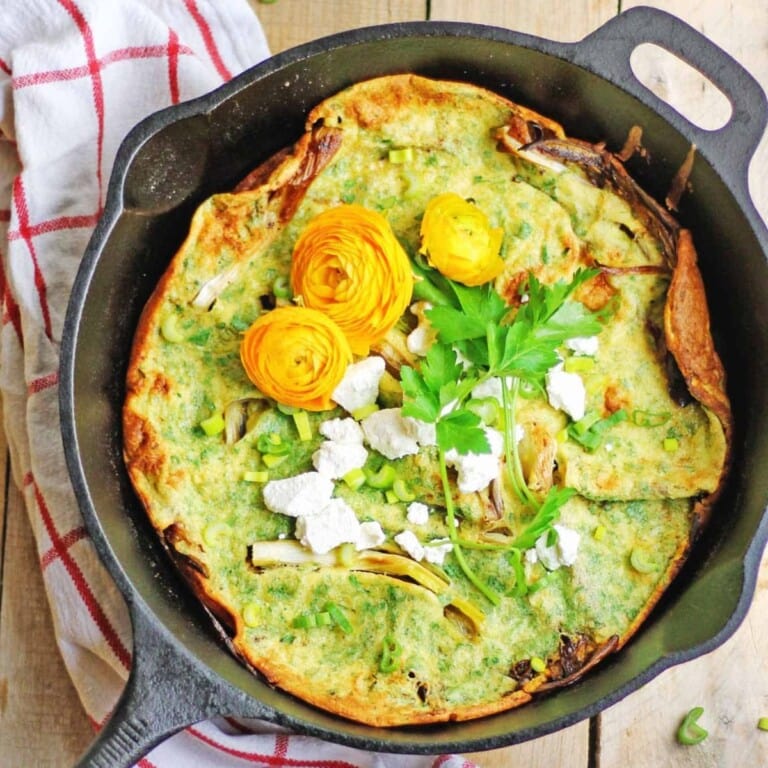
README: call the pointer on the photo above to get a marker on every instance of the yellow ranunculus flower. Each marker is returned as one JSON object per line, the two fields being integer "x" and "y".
{"x": 348, "y": 264}
{"x": 458, "y": 240}
{"x": 297, "y": 356}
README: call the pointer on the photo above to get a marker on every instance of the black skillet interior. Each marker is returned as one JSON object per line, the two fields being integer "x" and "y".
{"x": 175, "y": 158}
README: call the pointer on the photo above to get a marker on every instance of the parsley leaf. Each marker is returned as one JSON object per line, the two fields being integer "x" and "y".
{"x": 546, "y": 515}
{"x": 461, "y": 430}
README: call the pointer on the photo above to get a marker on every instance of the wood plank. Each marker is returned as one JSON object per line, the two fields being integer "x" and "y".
{"x": 731, "y": 682}
{"x": 565, "y": 22}
{"x": 42, "y": 723}
{"x": 287, "y": 24}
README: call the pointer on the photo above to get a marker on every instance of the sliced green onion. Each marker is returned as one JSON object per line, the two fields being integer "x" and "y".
{"x": 690, "y": 732}
{"x": 256, "y": 476}
{"x": 382, "y": 479}
{"x": 305, "y": 621}
{"x": 579, "y": 364}
{"x": 366, "y": 410}
{"x": 649, "y": 418}
{"x": 391, "y": 496}
{"x": 538, "y": 664}
{"x": 671, "y": 444}
{"x": 272, "y": 443}
{"x": 281, "y": 288}
{"x": 339, "y": 617}
{"x": 590, "y": 436}
{"x": 214, "y": 533}
{"x": 355, "y": 478}
{"x": 401, "y": 156}
{"x": 581, "y": 426}
{"x": 402, "y": 491}
{"x": 213, "y": 425}
{"x": 323, "y": 619}
{"x": 171, "y": 330}
{"x": 390, "y": 654}
{"x": 301, "y": 420}
{"x": 599, "y": 533}
{"x": 272, "y": 460}
{"x": 252, "y": 614}
{"x": 762, "y": 723}
{"x": 642, "y": 561}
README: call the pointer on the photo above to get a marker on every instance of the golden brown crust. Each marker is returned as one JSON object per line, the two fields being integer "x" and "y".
{"x": 279, "y": 185}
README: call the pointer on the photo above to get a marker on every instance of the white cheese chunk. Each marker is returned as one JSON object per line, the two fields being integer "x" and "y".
{"x": 342, "y": 431}
{"x": 390, "y": 433}
{"x": 360, "y": 385}
{"x": 417, "y": 513}
{"x": 562, "y": 552}
{"x": 333, "y": 525}
{"x": 370, "y": 535}
{"x": 334, "y": 459}
{"x": 423, "y": 432}
{"x": 477, "y": 470}
{"x": 566, "y": 391}
{"x": 408, "y": 542}
{"x": 583, "y": 345}
{"x": 436, "y": 550}
{"x": 304, "y": 494}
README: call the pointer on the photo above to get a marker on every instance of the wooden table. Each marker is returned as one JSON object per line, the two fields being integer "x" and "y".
{"x": 41, "y": 721}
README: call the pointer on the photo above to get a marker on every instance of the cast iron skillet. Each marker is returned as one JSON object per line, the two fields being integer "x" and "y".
{"x": 182, "y": 673}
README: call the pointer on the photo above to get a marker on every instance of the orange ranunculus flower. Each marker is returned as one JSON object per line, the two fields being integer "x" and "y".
{"x": 459, "y": 241}
{"x": 297, "y": 356}
{"x": 348, "y": 264}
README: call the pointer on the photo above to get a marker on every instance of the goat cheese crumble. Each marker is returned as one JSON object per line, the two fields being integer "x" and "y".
{"x": 566, "y": 391}
{"x": 360, "y": 385}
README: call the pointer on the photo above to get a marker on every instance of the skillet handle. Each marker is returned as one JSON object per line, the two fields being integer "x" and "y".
{"x": 166, "y": 691}
{"x": 728, "y": 148}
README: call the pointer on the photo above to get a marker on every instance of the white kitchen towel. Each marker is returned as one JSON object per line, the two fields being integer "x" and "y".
{"x": 75, "y": 76}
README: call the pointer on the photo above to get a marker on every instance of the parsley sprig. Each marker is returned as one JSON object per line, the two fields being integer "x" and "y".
{"x": 480, "y": 337}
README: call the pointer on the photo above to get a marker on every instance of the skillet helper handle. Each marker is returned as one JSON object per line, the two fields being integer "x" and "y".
{"x": 165, "y": 692}
{"x": 729, "y": 148}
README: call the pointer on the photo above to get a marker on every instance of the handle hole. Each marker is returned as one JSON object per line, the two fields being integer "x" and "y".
{"x": 684, "y": 88}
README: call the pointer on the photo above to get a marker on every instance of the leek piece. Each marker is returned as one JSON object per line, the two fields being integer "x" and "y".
{"x": 301, "y": 420}
{"x": 401, "y": 490}
{"x": 213, "y": 425}
{"x": 401, "y": 156}
{"x": 579, "y": 364}
{"x": 366, "y": 410}
{"x": 382, "y": 479}
{"x": 642, "y": 561}
{"x": 214, "y": 533}
{"x": 355, "y": 478}
{"x": 256, "y": 476}
{"x": 272, "y": 459}
{"x": 171, "y": 330}
{"x": 252, "y": 615}
{"x": 391, "y": 496}
{"x": 599, "y": 533}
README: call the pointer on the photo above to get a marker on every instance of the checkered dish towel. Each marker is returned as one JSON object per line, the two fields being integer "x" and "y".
{"x": 75, "y": 76}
